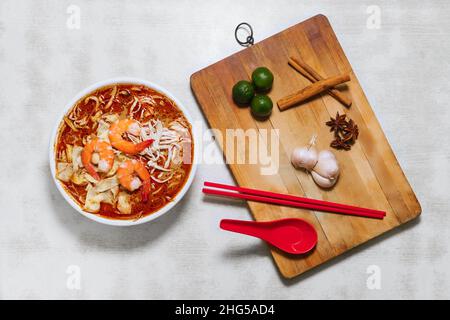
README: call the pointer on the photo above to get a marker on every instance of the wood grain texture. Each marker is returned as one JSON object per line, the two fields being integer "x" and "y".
{"x": 371, "y": 176}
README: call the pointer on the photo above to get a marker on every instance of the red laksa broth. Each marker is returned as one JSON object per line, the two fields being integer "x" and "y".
{"x": 124, "y": 151}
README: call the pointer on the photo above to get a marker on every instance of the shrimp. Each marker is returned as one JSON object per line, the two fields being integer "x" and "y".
{"x": 105, "y": 154}
{"x": 118, "y": 129}
{"x": 127, "y": 178}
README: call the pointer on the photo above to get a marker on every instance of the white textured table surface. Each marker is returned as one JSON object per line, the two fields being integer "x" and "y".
{"x": 403, "y": 67}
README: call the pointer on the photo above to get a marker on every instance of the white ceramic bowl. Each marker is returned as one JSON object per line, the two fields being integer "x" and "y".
{"x": 99, "y": 218}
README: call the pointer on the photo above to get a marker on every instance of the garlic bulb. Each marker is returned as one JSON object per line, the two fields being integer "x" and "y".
{"x": 326, "y": 171}
{"x": 305, "y": 157}
{"x": 323, "y": 166}
{"x": 327, "y": 165}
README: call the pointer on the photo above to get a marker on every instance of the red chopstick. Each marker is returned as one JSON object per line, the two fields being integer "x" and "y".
{"x": 289, "y": 203}
{"x": 289, "y": 200}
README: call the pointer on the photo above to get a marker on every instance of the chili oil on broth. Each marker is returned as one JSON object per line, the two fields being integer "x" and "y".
{"x": 156, "y": 113}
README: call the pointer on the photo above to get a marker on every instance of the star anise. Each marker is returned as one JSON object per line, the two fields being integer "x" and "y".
{"x": 345, "y": 132}
{"x": 350, "y": 132}
{"x": 339, "y": 143}
{"x": 337, "y": 124}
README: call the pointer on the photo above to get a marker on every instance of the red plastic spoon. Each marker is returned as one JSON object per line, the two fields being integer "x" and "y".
{"x": 295, "y": 236}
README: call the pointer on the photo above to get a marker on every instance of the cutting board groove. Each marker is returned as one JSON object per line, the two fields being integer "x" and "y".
{"x": 371, "y": 175}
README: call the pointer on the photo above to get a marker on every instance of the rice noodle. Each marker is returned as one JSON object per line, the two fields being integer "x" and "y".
{"x": 133, "y": 109}
{"x": 95, "y": 99}
{"x": 113, "y": 96}
{"x": 70, "y": 124}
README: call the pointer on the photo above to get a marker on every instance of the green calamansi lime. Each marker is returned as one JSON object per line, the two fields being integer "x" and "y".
{"x": 262, "y": 79}
{"x": 261, "y": 106}
{"x": 243, "y": 92}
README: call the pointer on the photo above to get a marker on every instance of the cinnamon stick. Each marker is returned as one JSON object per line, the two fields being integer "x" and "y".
{"x": 310, "y": 91}
{"x": 309, "y": 73}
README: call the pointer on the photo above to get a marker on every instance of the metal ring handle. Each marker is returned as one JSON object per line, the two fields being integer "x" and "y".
{"x": 249, "y": 40}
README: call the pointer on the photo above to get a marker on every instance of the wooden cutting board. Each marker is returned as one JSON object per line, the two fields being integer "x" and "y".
{"x": 370, "y": 174}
